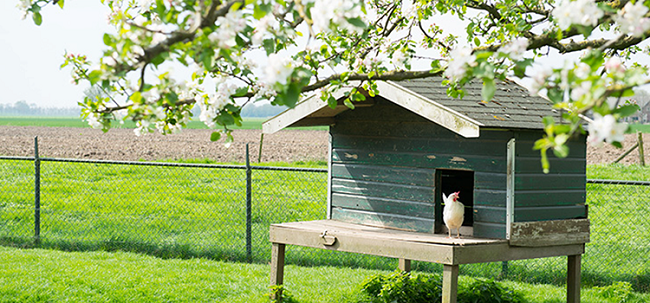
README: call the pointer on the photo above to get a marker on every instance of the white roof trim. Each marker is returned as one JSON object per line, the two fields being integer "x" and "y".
{"x": 303, "y": 109}
{"x": 429, "y": 109}
{"x": 433, "y": 111}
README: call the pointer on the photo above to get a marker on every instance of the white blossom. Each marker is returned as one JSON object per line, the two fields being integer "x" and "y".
{"x": 606, "y": 129}
{"x": 24, "y": 5}
{"x": 400, "y": 59}
{"x": 614, "y": 66}
{"x": 278, "y": 69}
{"x": 142, "y": 127}
{"x": 264, "y": 90}
{"x": 335, "y": 12}
{"x": 459, "y": 59}
{"x": 93, "y": 121}
{"x": 582, "y": 71}
{"x": 582, "y": 90}
{"x": 581, "y": 12}
{"x": 229, "y": 27}
{"x": 631, "y": 19}
{"x": 261, "y": 29}
{"x": 539, "y": 79}
{"x": 515, "y": 49}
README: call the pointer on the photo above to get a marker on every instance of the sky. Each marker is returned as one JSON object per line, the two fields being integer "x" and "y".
{"x": 30, "y": 55}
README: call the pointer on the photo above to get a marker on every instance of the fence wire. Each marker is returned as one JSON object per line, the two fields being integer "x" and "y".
{"x": 196, "y": 210}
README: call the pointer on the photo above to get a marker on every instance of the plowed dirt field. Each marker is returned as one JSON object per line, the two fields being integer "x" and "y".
{"x": 285, "y": 146}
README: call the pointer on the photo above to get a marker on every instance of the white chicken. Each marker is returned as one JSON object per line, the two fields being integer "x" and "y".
{"x": 454, "y": 213}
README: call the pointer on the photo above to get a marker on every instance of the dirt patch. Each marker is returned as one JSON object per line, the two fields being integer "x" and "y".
{"x": 607, "y": 153}
{"x": 122, "y": 144}
{"x": 285, "y": 146}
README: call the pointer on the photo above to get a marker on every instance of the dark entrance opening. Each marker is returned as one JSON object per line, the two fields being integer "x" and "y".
{"x": 449, "y": 181}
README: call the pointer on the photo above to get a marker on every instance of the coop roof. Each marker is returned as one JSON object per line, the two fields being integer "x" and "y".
{"x": 512, "y": 107}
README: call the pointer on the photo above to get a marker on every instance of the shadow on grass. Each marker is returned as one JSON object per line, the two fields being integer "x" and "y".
{"x": 554, "y": 274}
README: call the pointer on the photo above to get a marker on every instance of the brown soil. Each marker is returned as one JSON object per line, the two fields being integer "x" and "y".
{"x": 286, "y": 145}
{"x": 122, "y": 144}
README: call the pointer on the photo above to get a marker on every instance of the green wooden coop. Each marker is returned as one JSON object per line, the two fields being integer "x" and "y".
{"x": 395, "y": 154}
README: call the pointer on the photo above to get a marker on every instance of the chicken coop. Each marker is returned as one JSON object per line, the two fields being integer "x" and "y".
{"x": 394, "y": 156}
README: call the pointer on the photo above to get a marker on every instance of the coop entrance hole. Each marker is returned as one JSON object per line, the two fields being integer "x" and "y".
{"x": 450, "y": 181}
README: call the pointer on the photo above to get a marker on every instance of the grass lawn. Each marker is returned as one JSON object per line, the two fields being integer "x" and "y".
{"x": 644, "y": 128}
{"x": 37, "y": 275}
{"x": 175, "y": 212}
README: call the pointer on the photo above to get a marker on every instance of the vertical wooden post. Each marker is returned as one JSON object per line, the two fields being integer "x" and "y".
{"x": 573, "y": 279}
{"x": 639, "y": 136}
{"x": 277, "y": 267}
{"x": 449, "y": 283}
{"x": 259, "y": 156}
{"x": 405, "y": 265}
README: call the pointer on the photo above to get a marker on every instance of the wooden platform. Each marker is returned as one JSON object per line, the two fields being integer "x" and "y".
{"x": 406, "y": 246}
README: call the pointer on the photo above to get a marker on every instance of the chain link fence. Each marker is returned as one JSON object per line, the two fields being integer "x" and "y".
{"x": 224, "y": 212}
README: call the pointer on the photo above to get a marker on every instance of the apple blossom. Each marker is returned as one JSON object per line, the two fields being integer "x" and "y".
{"x": 606, "y": 128}
{"x": 631, "y": 19}
{"x": 459, "y": 59}
{"x": 580, "y": 12}
{"x": 515, "y": 49}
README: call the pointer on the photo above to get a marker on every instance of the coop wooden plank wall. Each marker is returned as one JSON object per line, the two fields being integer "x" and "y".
{"x": 561, "y": 193}
{"x": 384, "y": 160}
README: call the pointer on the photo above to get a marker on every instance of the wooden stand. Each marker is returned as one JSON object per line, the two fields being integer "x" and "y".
{"x": 406, "y": 246}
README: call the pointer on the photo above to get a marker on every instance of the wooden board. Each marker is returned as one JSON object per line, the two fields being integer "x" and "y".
{"x": 436, "y": 248}
{"x": 384, "y": 220}
{"x": 545, "y": 233}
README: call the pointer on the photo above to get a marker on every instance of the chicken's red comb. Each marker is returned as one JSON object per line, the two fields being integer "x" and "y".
{"x": 457, "y": 193}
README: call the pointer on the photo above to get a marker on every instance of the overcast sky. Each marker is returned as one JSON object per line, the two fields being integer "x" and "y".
{"x": 30, "y": 55}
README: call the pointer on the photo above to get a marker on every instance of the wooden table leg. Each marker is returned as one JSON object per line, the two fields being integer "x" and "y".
{"x": 277, "y": 267}
{"x": 573, "y": 279}
{"x": 449, "y": 283}
{"x": 405, "y": 265}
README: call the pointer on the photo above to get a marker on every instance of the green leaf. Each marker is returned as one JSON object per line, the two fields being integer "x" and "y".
{"x": 235, "y": 6}
{"x": 488, "y": 90}
{"x": 269, "y": 46}
{"x": 241, "y": 91}
{"x": 357, "y": 22}
{"x": 331, "y": 102}
{"x": 292, "y": 95}
{"x": 545, "y": 164}
{"x": 548, "y": 121}
{"x": 348, "y": 103}
{"x": 136, "y": 98}
{"x": 108, "y": 41}
{"x": 215, "y": 136}
{"x": 627, "y": 110}
{"x": 60, "y": 3}
{"x": 261, "y": 10}
{"x": 38, "y": 19}
{"x": 561, "y": 151}
{"x": 477, "y": 41}
{"x": 94, "y": 76}
{"x": 555, "y": 95}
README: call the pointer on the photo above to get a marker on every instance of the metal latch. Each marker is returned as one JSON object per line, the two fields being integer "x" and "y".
{"x": 326, "y": 239}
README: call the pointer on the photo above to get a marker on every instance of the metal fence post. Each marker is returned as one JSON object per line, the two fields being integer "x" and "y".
{"x": 37, "y": 194}
{"x": 249, "y": 210}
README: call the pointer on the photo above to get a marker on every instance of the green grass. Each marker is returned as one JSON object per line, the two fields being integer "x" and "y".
{"x": 174, "y": 212}
{"x": 38, "y": 275}
{"x": 644, "y": 128}
{"x": 619, "y": 171}
{"x": 248, "y": 123}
